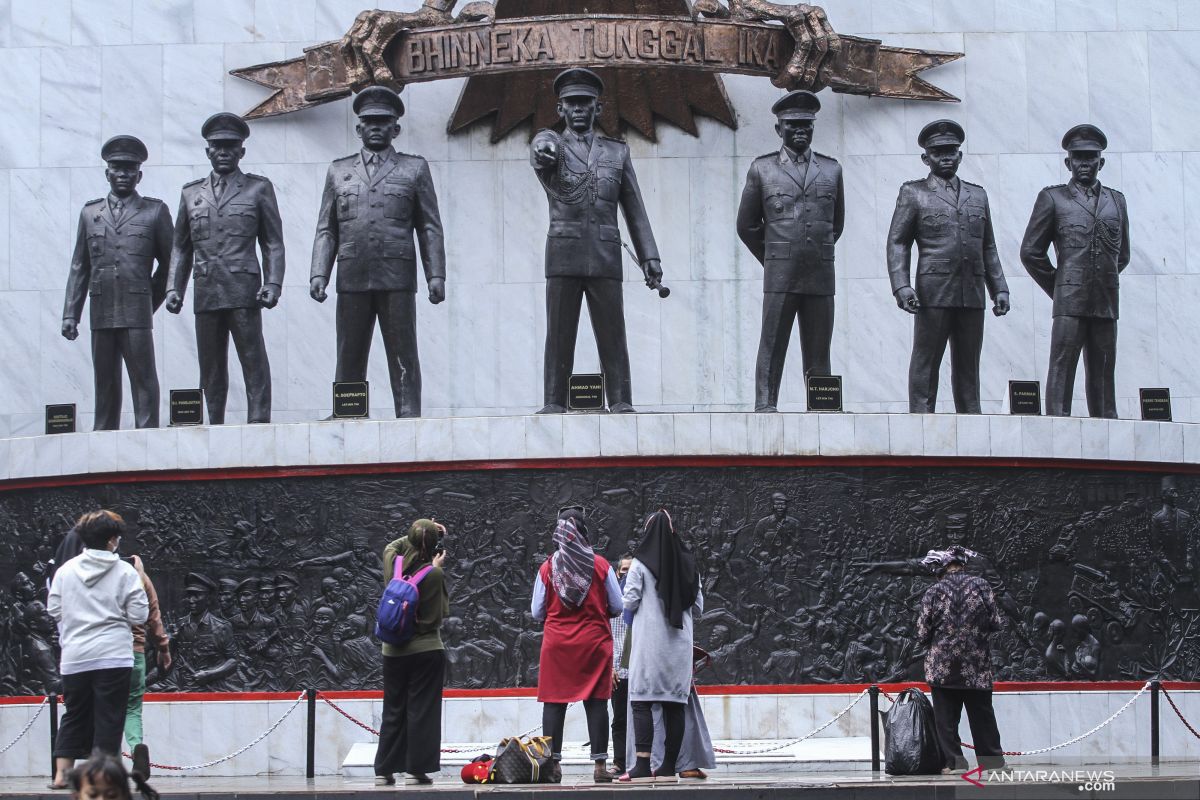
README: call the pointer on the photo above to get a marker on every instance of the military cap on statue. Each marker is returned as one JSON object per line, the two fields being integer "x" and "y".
{"x": 941, "y": 132}
{"x": 378, "y": 101}
{"x": 195, "y": 582}
{"x": 578, "y": 82}
{"x": 124, "y": 148}
{"x": 286, "y": 579}
{"x": 957, "y": 520}
{"x": 224, "y": 126}
{"x": 799, "y": 104}
{"x": 250, "y": 583}
{"x": 1085, "y": 138}
{"x": 227, "y": 583}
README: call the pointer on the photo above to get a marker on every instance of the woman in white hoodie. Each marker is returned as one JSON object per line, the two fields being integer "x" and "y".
{"x": 96, "y": 599}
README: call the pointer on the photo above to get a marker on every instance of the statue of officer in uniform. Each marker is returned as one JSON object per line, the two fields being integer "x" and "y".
{"x": 373, "y": 203}
{"x": 791, "y": 216}
{"x": 220, "y": 219}
{"x": 587, "y": 177}
{"x": 1088, "y": 224}
{"x": 951, "y": 222}
{"x": 119, "y": 239}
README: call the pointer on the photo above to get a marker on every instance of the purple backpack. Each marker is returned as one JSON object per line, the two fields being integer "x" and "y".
{"x": 396, "y": 619}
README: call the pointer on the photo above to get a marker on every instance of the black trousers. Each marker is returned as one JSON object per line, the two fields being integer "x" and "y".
{"x": 606, "y": 308}
{"x": 780, "y": 309}
{"x": 95, "y": 717}
{"x": 410, "y": 730}
{"x": 947, "y": 711}
{"x": 620, "y": 720}
{"x": 643, "y": 731}
{"x": 134, "y": 347}
{"x": 962, "y": 328}
{"x": 554, "y": 719}
{"x": 1097, "y": 339}
{"x": 213, "y": 329}
{"x": 397, "y": 315}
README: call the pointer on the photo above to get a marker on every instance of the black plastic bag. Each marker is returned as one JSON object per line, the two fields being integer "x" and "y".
{"x": 910, "y": 741}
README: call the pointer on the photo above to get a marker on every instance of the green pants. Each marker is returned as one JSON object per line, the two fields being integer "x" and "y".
{"x": 133, "y": 709}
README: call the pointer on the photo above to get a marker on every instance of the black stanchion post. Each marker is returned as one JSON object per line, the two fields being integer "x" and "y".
{"x": 875, "y": 729}
{"x": 1154, "y": 692}
{"x": 53, "y": 733}
{"x": 310, "y": 758}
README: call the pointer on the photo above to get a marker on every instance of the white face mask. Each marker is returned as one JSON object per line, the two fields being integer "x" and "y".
{"x": 117, "y": 546}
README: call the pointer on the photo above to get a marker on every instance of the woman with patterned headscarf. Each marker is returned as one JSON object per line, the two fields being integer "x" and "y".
{"x": 958, "y": 616}
{"x": 574, "y": 594}
{"x": 662, "y": 594}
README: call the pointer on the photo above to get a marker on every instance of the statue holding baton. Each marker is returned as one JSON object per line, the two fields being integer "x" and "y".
{"x": 586, "y": 177}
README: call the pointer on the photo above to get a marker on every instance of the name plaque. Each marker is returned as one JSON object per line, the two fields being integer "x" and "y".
{"x": 1156, "y": 404}
{"x": 351, "y": 399}
{"x": 1025, "y": 398}
{"x": 585, "y": 393}
{"x": 60, "y": 418}
{"x": 825, "y": 393}
{"x": 187, "y": 407}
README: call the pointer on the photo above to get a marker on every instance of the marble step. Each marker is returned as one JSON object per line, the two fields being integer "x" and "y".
{"x": 821, "y": 754}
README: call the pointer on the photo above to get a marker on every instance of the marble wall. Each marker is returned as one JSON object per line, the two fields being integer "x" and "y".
{"x": 79, "y": 71}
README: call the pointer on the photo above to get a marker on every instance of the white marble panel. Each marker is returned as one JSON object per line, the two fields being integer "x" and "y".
{"x": 859, "y": 252}
{"x": 752, "y": 99}
{"x": 656, "y": 434}
{"x": 285, "y": 20}
{"x": 506, "y": 438}
{"x": 940, "y": 434}
{"x": 766, "y": 435}
{"x": 4, "y": 228}
{"x": 875, "y": 329}
{"x": 692, "y": 434}
{"x": 334, "y": 18}
{"x": 871, "y": 434}
{"x": 193, "y": 448}
{"x": 1094, "y": 439}
{"x": 973, "y": 433}
{"x": 906, "y": 435}
{"x": 1121, "y": 440}
{"x": 1176, "y": 300}
{"x": 224, "y": 21}
{"x": 47, "y": 456}
{"x": 1150, "y": 15}
{"x": 876, "y": 127}
{"x": 40, "y": 23}
{"x": 693, "y": 345}
{"x": 434, "y": 440}
{"x": 1170, "y": 443}
{"x": 107, "y": 23}
{"x": 132, "y": 95}
{"x": 902, "y": 16}
{"x": 1067, "y": 437}
{"x": 1191, "y": 444}
{"x": 802, "y": 434}
{"x": 1171, "y": 55}
{"x": 581, "y": 435}
{"x": 225, "y": 447}
{"x": 1058, "y": 96}
{"x": 544, "y": 436}
{"x": 1153, "y": 186}
{"x": 1146, "y": 440}
{"x": 714, "y": 239}
{"x": 742, "y": 307}
{"x": 996, "y": 114}
{"x": 133, "y": 450}
{"x": 21, "y": 330}
{"x": 398, "y": 441}
{"x": 71, "y": 106}
{"x": 73, "y": 459}
{"x": 729, "y": 433}
{"x": 836, "y": 434}
{"x": 23, "y": 457}
{"x": 192, "y": 89}
{"x": 362, "y": 442}
{"x": 1037, "y": 437}
{"x": 477, "y": 211}
{"x": 1120, "y": 89}
{"x": 1025, "y": 15}
{"x": 963, "y": 15}
{"x": 1086, "y": 15}
{"x": 618, "y": 434}
{"x": 162, "y": 21}
{"x": 470, "y": 438}
{"x": 855, "y": 723}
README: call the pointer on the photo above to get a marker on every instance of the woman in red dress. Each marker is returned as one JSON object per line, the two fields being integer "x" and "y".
{"x": 574, "y": 594}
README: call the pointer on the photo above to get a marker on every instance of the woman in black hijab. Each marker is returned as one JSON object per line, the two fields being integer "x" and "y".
{"x": 662, "y": 594}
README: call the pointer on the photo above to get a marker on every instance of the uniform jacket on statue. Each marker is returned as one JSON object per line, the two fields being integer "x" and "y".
{"x": 113, "y": 263}
{"x": 791, "y": 221}
{"x": 367, "y": 225}
{"x": 1091, "y": 243}
{"x": 216, "y": 239}
{"x": 956, "y": 244}
{"x": 583, "y": 240}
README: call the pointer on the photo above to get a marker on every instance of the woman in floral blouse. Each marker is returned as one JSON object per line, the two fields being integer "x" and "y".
{"x": 958, "y": 615}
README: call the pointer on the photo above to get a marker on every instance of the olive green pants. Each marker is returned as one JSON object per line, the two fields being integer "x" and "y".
{"x": 133, "y": 709}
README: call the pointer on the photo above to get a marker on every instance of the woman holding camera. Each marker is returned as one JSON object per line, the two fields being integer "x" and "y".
{"x": 410, "y": 731}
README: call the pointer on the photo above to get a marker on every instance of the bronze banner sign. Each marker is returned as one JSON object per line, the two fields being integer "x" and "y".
{"x": 847, "y": 64}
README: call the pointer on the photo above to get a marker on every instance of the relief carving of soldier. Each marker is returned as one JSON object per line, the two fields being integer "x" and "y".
{"x": 118, "y": 240}
{"x": 587, "y": 177}
{"x": 791, "y": 216}
{"x": 221, "y": 218}
{"x": 950, "y": 221}
{"x": 1088, "y": 224}
{"x": 206, "y": 653}
{"x": 373, "y": 203}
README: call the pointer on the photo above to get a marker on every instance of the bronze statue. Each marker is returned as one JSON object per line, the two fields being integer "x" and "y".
{"x": 373, "y": 203}
{"x": 220, "y": 219}
{"x": 118, "y": 240}
{"x": 791, "y": 216}
{"x": 586, "y": 177}
{"x": 951, "y": 222}
{"x": 1088, "y": 224}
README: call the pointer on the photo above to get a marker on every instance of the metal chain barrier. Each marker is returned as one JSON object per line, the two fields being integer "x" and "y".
{"x": 808, "y": 735}
{"x": 236, "y": 753}
{"x": 1166, "y": 694}
{"x": 345, "y": 714}
{"x": 1069, "y": 742}
{"x": 41, "y": 707}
